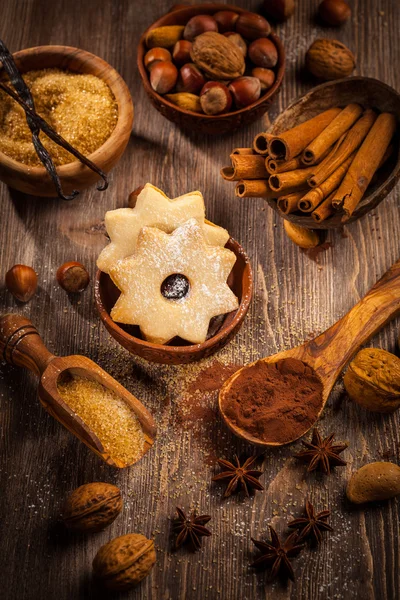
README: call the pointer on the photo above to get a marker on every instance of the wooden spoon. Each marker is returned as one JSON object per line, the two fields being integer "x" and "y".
{"x": 328, "y": 353}
{"x": 22, "y": 345}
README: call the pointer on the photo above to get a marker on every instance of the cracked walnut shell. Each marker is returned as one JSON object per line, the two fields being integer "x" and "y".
{"x": 373, "y": 380}
{"x": 329, "y": 59}
{"x": 124, "y": 561}
{"x": 217, "y": 56}
{"x": 92, "y": 507}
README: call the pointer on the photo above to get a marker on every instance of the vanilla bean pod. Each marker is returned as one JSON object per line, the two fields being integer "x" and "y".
{"x": 37, "y": 123}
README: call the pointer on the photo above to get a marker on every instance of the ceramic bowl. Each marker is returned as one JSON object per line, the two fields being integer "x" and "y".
{"x": 35, "y": 180}
{"x": 222, "y": 328}
{"x": 209, "y": 124}
{"x": 370, "y": 93}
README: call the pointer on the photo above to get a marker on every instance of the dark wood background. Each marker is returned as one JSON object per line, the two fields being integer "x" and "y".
{"x": 296, "y": 296}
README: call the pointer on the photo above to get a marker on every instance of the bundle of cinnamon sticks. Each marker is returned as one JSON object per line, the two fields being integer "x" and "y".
{"x": 319, "y": 167}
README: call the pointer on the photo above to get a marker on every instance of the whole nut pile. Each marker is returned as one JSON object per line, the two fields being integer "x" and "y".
{"x": 213, "y": 64}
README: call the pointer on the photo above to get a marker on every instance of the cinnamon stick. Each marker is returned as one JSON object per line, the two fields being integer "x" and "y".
{"x": 316, "y": 195}
{"x": 288, "y": 203}
{"x": 325, "y": 209}
{"x": 365, "y": 163}
{"x": 276, "y": 165}
{"x": 336, "y": 128}
{"x": 261, "y": 143}
{"x": 243, "y": 151}
{"x": 245, "y": 166}
{"x": 289, "y": 144}
{"x": 353, "y": 139}
{"x": 253, "y": 188}
{"x": 282, "y": 181}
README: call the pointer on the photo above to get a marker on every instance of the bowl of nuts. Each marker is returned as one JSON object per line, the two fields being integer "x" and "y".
{"x": 211, "y": 68}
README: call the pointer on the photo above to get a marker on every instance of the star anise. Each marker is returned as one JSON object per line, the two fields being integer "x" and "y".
{"x": 277, "y": 554}
{"x": 312, "y": 525}
{"x": 322, "y": 453}
{"x": 241, "y": 476}
{"x": 190, "y": 529}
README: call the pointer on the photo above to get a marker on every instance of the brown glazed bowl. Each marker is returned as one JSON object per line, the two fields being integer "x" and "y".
{"x": 74, "y": 175}
{"x": 209, "y": 124}
{"x": 370, "y": 93}
{"x": 180, "y": 352}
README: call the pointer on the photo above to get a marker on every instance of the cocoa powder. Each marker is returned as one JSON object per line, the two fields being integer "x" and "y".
{"x": 275, "y": 402}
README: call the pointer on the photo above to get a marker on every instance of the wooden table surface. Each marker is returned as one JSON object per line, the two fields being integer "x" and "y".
{"x": 296, "y": 296}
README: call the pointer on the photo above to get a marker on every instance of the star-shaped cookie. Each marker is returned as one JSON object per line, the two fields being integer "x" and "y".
{"x": 153, "y": 209}
{"x": 159, "y": 255}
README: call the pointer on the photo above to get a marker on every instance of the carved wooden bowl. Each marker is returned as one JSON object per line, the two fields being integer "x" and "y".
{"x": 209, "y": 124}
{"x": 178, "y": 351}
{"x": 74, "y": 175}
{"x": 370, "y": 93}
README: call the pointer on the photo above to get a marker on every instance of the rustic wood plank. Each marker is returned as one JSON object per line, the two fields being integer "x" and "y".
{"x": 295, "y": 298}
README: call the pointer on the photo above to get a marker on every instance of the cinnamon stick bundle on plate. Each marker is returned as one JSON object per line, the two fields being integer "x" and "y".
{"x": 318, "y": 167}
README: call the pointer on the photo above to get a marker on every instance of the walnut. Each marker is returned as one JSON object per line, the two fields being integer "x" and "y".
{"x": 125, "y": 561}
{"x": 329, "y": 59}
{"x": 217, "y": 56}
{"x": 373, "y": 380}
{"x": 92, "y": 507}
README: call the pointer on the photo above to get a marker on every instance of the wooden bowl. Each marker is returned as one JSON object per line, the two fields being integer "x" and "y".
{"x": 370, "y": 93}
{"x": 222, "y": 328}
{"x": 210, "y": 124}
{"x": 74, "y": 175}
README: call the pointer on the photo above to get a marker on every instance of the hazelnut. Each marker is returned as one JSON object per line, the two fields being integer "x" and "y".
{"x": 373, "y": 380}
{"x": 237, "y": 39}
{"x": 226, "y": 20}
{"x": 156, "y": 55}
{"x": 215, "y": 98}
{"x": 252, "y": 26}
{"x": 266, "y": 77}
{"x": 334, "y": 12}
{"x": 181, "y": 52}
{"x": 163, "y": 77}
{"x": 263, "y": 53}
{"x": 92, "y": 507}
{"x": 329, "y": 59}
{"x": 279, "y": 10}
{"x": 73, "y": 277}
{"x": 199, "y": 24}
{"x": 21, "y": 281}
{"x": 124, "y": 562}
{"x": 133, "y": 196}
{"x": 190, "y": 79}
{"x": 245, "y": 90}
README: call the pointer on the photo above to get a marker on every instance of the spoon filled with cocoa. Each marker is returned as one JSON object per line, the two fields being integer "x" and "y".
{"x": 276, "y": 400}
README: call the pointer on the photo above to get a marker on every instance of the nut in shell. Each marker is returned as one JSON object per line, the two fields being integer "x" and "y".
{"x": 217, "y": 56}
{"x": 303, "y": 237}
{"x": 92, "y": 507}
{"x": 373, "y": 380}
{"x": 124, "y": 561}
{"x": 374, "y": 482}
{"x": 329, "y": 59}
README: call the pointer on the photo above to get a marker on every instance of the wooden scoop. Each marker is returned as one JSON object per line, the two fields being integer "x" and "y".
{"x": 22, "y": 345}
{"x": 328, "y": 353}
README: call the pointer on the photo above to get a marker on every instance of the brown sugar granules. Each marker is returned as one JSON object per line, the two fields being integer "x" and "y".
{"x": 107, "y": 415}
{"x": 80, "y": 107}
{"x": 275, "y": 402}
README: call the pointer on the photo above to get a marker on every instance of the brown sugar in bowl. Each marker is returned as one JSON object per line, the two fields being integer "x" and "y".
{"x": 370, "y": 93}
{"x": 222, "y": 329}
{"x": 198, "y": 122}
{"x": 74, "y": 175}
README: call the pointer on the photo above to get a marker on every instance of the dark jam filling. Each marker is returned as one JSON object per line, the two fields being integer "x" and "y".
{"x": 175, "y": 287}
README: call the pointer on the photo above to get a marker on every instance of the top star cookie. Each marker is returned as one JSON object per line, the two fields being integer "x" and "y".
{"x": 154, "y": 209}
{"x": 173, "y": 284}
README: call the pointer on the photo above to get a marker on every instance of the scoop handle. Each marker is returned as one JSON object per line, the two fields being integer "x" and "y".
{"x": 21, "y": 344}
{"x": 333, "y": 349}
